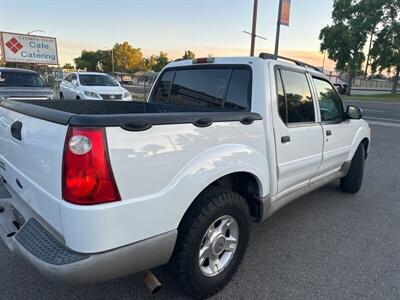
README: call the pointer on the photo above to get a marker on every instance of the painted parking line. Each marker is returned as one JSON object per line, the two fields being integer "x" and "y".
{"x": 376, "y": 111}
{"x": 386, "y": 124}
{"x": 382, "y": 119}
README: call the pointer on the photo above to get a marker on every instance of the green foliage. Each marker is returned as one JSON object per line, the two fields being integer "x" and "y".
{"x": 385, "y": 53}
{"x": 88, "y": 60}
{"x": 127, "y": 58}
{"x": 68, "y": 66}
{"x": 156, "y": 62}
{"x": 344, "y": 40}
{"x": 188, "y": 55}
{"x": 150, "y": 62}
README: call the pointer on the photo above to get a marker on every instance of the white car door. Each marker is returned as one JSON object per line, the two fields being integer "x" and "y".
{"x": 298, "y": 133}
{"x": 64, "y": 86}
{"x": 338, "y": 132}
{"x": 73, "y": 86}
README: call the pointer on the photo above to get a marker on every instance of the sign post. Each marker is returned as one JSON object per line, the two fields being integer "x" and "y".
{"x": 30, "y": 49}
{"x": 283, "y": 19}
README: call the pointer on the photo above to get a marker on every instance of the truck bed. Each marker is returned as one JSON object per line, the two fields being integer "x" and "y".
{"x": 130, "y": 115}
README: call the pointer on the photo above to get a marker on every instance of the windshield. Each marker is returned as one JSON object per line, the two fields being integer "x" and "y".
{"x": 20, "y": 79}
{"x": 97, "y": 80}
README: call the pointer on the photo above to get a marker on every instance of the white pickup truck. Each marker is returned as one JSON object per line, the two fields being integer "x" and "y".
{"x": 94, "y": 190}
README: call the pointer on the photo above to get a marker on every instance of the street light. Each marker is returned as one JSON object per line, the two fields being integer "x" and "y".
{"x": 36, "y": 30}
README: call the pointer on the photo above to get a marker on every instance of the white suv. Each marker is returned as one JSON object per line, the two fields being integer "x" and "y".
{"x": 92, "y": 86}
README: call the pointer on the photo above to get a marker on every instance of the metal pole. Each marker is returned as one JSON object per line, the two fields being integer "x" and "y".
{"x": 253, "y": 30}
{"x": 323, "y": 62}
{"x": 278, "y": 29}
{"x": 112, "y": 61}
{"x": 369, "y": 49}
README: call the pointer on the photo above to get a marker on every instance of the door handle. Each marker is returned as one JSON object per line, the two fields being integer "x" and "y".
{"x": 285, "y": 139}
{"x": 328, "y": 133}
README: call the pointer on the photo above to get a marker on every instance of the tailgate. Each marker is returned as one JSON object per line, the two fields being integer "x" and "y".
{"x": 32, "y": 164}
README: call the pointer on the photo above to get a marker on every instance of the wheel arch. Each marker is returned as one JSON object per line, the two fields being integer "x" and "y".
{"x": 362, "y": 137}
{"x": 246, "y": 184}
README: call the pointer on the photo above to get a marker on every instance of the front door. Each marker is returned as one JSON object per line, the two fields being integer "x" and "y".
{"x": 298, "y": 134}
{"x": 338, "y": 133}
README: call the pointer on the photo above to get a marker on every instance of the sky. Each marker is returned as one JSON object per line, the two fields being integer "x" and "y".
{"x": 203, "y": 26}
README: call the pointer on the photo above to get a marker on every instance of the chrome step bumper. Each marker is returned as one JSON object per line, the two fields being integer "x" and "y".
{"x": 28, "y": 236}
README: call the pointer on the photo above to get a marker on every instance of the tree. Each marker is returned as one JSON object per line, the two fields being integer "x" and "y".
{"x": 99, "y": 60}
{"x": 188, "y": 55}
{"x": 385, "y": 53}
{"x": 344, "y": 40}
{"x": 88, "y": 60}
{"x": 161, "y": 61}
{"x": 150, "y": 62}
{"x": 68, "y": 66}
{"x": 127, "y": 58}
{"x": 156, "y": 62}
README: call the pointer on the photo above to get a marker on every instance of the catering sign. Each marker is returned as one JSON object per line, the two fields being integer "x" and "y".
{"x": 32, "y": 49}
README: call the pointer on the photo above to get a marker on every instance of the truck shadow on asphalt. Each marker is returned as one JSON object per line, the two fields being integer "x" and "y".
{"x": 274, "y": 249}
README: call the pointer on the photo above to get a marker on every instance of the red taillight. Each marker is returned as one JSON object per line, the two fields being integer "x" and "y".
{"x": 87, "y": 175}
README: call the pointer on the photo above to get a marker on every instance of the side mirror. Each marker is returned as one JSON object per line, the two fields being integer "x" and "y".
{"x": 75, "y": 83}
{"x": 353, "y": 112}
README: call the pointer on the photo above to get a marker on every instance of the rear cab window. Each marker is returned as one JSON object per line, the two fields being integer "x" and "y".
{"x": 212, "y": 87}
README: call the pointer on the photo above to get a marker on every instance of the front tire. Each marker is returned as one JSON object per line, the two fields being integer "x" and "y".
{"x": 212, "y": 240}
{"x": 352, "y": 182}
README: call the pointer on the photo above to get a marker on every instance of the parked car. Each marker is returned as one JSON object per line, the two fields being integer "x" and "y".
{"x": 101, "y": 190}
{"x": 19, "y": 84}
{"x": 341, "y": 87}
{"x": 92, "y": 86}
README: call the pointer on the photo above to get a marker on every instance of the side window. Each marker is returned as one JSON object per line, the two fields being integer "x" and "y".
{"x": 198, "y": 87}
{"x": 68, "y": 77}
{"x": 162, "y": 92}
{"x": 330, "y": 105}
{"x": 281, "y": 98}
{"x": 299, "y": 102}
{"x": 238, "y": 90}
{"x": 74, "y": 77}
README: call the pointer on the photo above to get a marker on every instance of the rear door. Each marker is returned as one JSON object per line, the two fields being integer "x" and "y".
{"x": 298, "y": 133}
{"x": 338, "y": 133}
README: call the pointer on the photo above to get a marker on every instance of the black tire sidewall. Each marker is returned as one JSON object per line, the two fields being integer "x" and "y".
{"x": 220, "y": 279}
{"x": 208, "y": 207}
{"x": 352, "y": 182}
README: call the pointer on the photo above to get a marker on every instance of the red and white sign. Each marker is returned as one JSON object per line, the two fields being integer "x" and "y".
{"x": 32, "y": 49}
{"x": 285, "y": 12}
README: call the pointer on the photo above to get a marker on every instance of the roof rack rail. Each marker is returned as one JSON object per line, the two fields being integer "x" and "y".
{"x": 264, "y": 55}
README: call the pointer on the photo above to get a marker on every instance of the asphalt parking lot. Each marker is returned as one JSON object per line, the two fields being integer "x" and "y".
{"x": 326, "y": 245}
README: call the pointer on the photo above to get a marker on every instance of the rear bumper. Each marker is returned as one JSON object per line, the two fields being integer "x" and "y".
{"x": 27, "y": 235}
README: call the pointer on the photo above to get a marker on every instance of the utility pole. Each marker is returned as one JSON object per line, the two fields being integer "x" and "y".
{"x": 112, "y": 61}
{"x": 369, "y": 49}
{"x": 253, "y": 30}
{"x": 323, "y": 62}
{"x": 278, "y": 29}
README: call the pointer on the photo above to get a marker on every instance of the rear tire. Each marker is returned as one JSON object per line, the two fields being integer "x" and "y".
{"x": 203, "y": 263}
{"x": 352, "y": 182}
